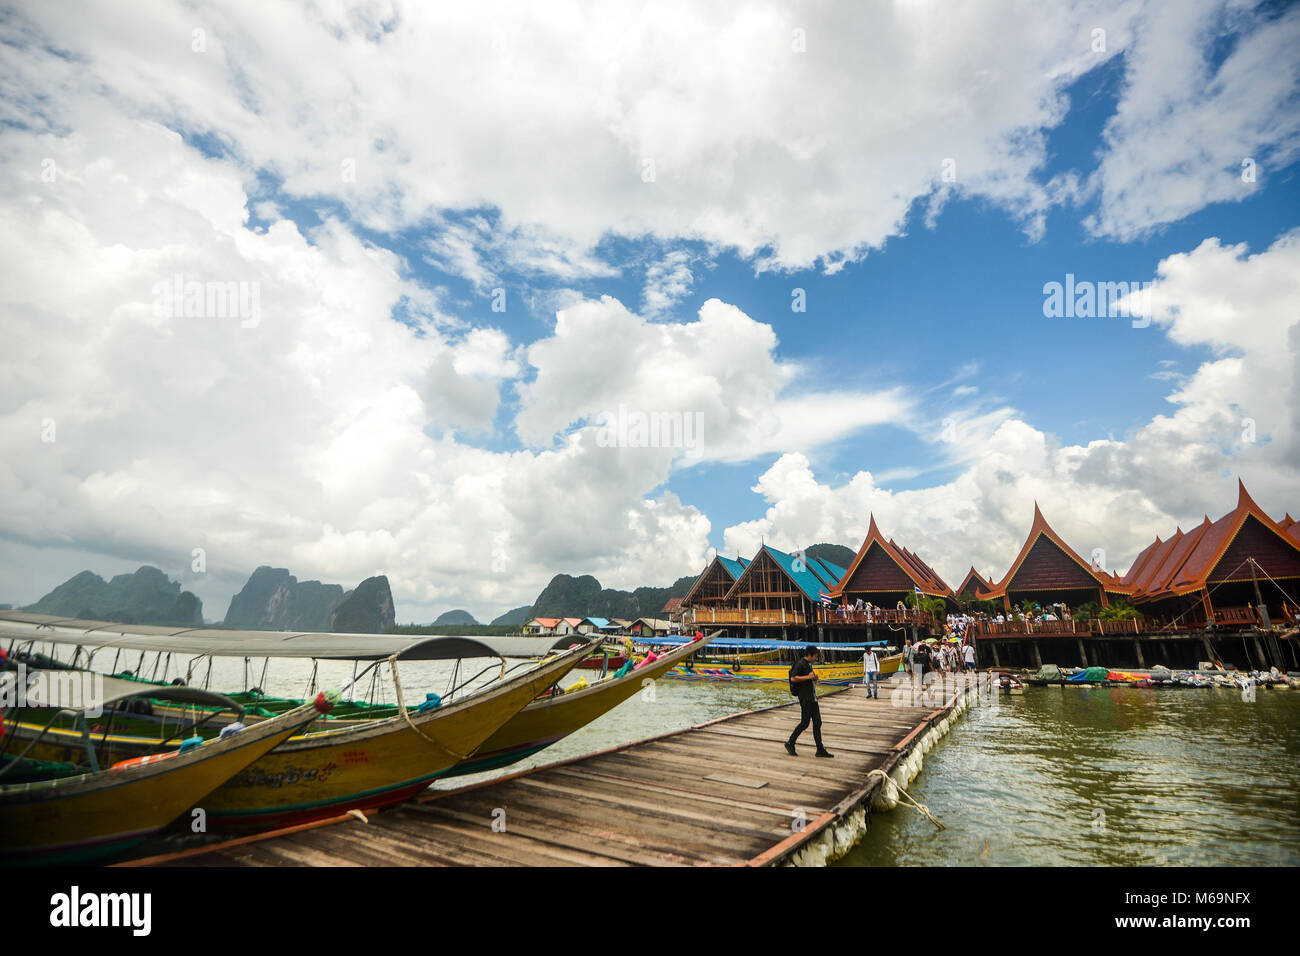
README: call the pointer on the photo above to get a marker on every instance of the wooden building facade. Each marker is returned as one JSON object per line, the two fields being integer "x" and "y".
{"x": 1048, "y": 571}
{"x": 1223, "y": 572}
{"x": 884, "y": 573}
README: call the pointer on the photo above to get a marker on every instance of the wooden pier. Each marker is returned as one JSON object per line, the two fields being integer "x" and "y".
{"x": 721, "y": 793}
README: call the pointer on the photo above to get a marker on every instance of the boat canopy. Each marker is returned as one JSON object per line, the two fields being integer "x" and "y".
{"x": 95, "y": 636}
{"x": 757, "y": 644}
{"x": 82, "y": 690}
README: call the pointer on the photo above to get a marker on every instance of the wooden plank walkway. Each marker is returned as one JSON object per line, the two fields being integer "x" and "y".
{"x": 721, "y": 793}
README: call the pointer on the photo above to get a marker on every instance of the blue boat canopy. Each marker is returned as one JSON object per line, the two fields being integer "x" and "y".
{"x": 757, "y": 644}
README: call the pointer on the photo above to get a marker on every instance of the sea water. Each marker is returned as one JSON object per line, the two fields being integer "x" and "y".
{"x": 1106, "y": 776}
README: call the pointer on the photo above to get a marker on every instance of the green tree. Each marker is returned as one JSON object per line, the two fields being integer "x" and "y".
{"x": 1120, "y": 611}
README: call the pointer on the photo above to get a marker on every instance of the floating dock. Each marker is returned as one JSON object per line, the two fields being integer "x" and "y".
{"x": 722, "y": 793}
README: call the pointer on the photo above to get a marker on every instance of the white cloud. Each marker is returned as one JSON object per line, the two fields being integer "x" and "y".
{"x": 722, "y": 367}
{"x": 667, "y": 281}
{"x": 303, "y": 440}
{"x": 433, "y": 115}
{"x": 1187, "y": 132}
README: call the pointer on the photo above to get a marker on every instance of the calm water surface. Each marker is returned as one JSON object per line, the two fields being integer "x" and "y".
{"x": 1106, "y": 776}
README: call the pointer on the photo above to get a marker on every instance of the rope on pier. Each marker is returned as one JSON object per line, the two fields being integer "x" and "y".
{"x": 903, "y": 796}
{"x": 401, "y": 708}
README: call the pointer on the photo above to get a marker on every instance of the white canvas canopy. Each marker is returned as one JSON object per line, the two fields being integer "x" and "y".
{"x": 20, "y": 627}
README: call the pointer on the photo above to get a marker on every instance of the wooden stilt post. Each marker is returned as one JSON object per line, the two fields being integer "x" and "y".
{"x": 1137, "y": 646}
{"x": 1038, "y": 658}
{"x": 1083, "y": 653}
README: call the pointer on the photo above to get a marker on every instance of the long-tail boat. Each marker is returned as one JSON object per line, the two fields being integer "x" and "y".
{"x": 834, "y": 675}
{"x": 548, "y": 719}
{"x": 361, "y": 766}
{"x": 63, "y": 813}
{"x": 731, "y": 661}
{"x": 552, "y": 718}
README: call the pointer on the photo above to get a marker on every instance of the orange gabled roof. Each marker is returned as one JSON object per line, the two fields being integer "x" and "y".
{"x": 1139, "y": 563}
{"x": 575, "y": 621}
{"x": 1040, "y": 528}
{"x": 1150, "y": 571}
{"x": 982, "y": 584}
{"x": 922, "y": 575}
{"x": 546, "y": 621}
{"x": 1161, "y": 577}
{"x": 1291, "y": 526}
{"x": 1213, "y": 544}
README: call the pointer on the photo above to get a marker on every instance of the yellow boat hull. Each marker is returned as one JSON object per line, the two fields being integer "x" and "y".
{"x": 837, "y": 674}
{"x": 374, "y": 764}
{"x": 546, "y": 721}
{"x": 97, "y": 815}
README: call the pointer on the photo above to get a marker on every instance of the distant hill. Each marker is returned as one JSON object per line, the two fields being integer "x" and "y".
{"x": 273, "y": 598}
{"x": 456, "y": 617}
{"x": 834, "y": 553}
{"x": 366, "y": 610}
{"x": 584, "y": 597}
{"x": 461, "y": 630}
{"x": 146, "y": 597}
{"x": 516, "y": 617}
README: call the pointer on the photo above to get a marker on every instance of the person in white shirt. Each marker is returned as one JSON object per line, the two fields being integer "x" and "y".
{"x": 969, "y": 653}
{"x": 871, "y": 672}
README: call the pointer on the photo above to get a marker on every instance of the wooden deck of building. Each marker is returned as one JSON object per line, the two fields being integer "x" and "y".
{"x": 720, "y": 793}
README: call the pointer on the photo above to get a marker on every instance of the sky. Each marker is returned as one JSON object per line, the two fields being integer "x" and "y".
{"x": 470, "y": 297}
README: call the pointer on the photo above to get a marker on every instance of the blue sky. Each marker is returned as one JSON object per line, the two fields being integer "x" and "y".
{"x": 378, "y": 177}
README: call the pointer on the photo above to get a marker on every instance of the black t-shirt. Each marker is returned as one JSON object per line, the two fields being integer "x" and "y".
{"x": 803, "y": 688}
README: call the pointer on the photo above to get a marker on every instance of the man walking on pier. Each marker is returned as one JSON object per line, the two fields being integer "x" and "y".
{"x": 803, "y": 684}
{"x": 871, "y": 672}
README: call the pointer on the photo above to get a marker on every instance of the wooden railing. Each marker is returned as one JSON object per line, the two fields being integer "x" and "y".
{"x": 1130, "y": 626}
{"x": 834, "y": 615}
{"x": 1073, "y": 627}
{"x": 731, "y": 615}
{"x": 1236, "y": 615}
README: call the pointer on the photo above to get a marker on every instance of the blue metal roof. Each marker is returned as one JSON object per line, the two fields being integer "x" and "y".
{"x": 808, "y": 579}
{"x": 833, "y": 571}
{"x": 736, "y": 567}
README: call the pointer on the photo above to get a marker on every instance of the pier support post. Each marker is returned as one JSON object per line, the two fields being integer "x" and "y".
{"x": 994, "y": 645}
{"x": 1137, "y": 646}
{"x": 1259, "y": 650}
{"x": 1083, "y": 651}
{"x": 1038, "y": 658}
{"x": 1209, "y": 648}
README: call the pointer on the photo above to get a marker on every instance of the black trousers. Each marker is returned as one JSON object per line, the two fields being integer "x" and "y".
{"x": 809, "y": 713}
